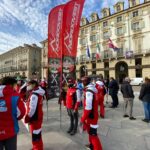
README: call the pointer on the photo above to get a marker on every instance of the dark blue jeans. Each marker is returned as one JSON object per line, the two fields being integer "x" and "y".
{"x": 147, "y": 110}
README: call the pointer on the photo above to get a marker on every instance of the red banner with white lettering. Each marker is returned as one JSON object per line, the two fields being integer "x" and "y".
{"x": 71, "y": 24}
{"x": 55, "y": 22}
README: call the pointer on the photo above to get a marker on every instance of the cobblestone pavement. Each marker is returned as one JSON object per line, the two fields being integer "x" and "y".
{"x": 116, "y": 132}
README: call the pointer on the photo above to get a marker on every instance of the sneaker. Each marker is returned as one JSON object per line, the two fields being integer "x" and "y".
{"x": 146, "y": 120}
{"x": 125, "y": 116}
{"x": 132, "y": 118}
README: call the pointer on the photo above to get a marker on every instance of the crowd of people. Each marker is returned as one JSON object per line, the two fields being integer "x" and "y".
{"x": 23, "y": 100}
{"x": 18, "y": 101}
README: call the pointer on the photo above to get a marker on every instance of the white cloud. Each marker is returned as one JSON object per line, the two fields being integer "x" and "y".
{"x": 9, "y": 41}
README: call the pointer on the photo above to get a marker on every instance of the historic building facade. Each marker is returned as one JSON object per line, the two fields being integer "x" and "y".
{"x": 129, "y": 30}
{"x": 44, "y": 59}
{"x": 23, "y": 61}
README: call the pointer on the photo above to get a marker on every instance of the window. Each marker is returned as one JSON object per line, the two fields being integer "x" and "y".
{"x": 82, "y": 31}
{"x": 105, "y": 13}
{"x": 82, "y": 41}
{"x": 135, "y": 13}
{"x": 133, "y": 2}
{"x": 136, "y": 26}
{"x": 119, "y": 19}
{"x": 118, "y": 8}
{"x": 93, "y": 18}
{"x": 119, "y": 31}
{"x": 105, "y": 24}
{"x": 138, "y": 45}
{"x": 93, "y": 28}
{"x": 106, "y": 35}
{"x": 93, "y": 38}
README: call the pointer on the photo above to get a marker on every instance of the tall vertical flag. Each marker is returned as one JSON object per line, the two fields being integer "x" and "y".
{"x": 63, "y": 30}
{"x": 112, "y": 46}
{"x": 88, "y": 55}
{"x": 98, "y": 52}
{"x": 71, "y": 23}
{"x": 55, "y": 22}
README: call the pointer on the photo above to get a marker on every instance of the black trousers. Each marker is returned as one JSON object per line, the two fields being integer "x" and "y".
{"x": 73, "y": 120}
{"x": 9, "y": 144}
{"x": 114, "y": 97}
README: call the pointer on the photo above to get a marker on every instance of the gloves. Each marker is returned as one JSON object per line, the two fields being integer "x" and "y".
{"x": 27, "y": 119}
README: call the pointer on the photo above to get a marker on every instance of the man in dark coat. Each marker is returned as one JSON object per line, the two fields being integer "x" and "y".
{"x": 145, "y": 98}
{"x": 113, "y": 92}
{"x": 128, "y": 96}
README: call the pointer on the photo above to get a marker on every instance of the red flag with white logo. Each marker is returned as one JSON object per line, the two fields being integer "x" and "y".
{"x": 55, "y": 22}
{"x": 72, "y": 15}
{"x": 71, "y": 24}
{"x": 55, "y": 32}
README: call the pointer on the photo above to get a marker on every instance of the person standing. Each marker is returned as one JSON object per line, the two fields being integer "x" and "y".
{"x": 89, "y": 119}
{"x": 100, "y": 95}
{"x": 72, "y": 103}
{"x": 34, "y": 114}
{"x": 12, "y": 109}
{"x": 145, "y": 98}
{"x": 128, "y": 96}
{"x": 113, "y": 92}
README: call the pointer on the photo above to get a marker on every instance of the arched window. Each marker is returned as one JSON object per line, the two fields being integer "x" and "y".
{"x": 105, "y": 13}
{"x": 133, "y": 2}
{"x": 118, "y": 8}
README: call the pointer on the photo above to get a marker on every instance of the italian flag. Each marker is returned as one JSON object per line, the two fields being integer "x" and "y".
{"x": 98, "y": 52}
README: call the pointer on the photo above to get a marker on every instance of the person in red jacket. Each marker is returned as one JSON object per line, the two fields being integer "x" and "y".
{"x": 72, "y": 103}
{"x": 100, "y": 95}
{"x": 34, "y": 115}
{"x": 12, "y": 109}
{"x": 89, "y": 117}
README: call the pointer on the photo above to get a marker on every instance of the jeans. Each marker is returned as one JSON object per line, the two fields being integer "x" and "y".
{"x": 147, "y": 110}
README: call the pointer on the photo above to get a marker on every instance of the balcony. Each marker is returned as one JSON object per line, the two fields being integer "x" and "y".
{"x": 120, "y": 53}
{"x": 82, "y": 58}
{"x": 107, "y": 54}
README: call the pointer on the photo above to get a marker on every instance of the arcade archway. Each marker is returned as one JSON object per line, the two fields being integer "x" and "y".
{"x": 121, "y": 70}
{"x": 83, "y": 71}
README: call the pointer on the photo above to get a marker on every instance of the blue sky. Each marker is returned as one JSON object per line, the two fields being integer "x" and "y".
{"x": 25, "y": 21}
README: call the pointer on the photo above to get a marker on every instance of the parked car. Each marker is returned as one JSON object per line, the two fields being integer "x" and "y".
{"x": 136, "y": 81}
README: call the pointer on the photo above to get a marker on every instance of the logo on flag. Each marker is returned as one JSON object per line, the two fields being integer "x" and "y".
{"x": 112, "y": 46}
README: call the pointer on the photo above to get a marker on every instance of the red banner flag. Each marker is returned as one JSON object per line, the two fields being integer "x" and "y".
{"x": 71, "y": 23}
{"x": 55, "y": 22}
{"x": 55, "y": 32}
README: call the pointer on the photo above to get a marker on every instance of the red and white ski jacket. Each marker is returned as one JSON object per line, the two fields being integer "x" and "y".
{"x": 90, "y": 113}
{"x": 34, "y": 106}
{"x": 73, "y": 98}
{"x": 12, "y": 109}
